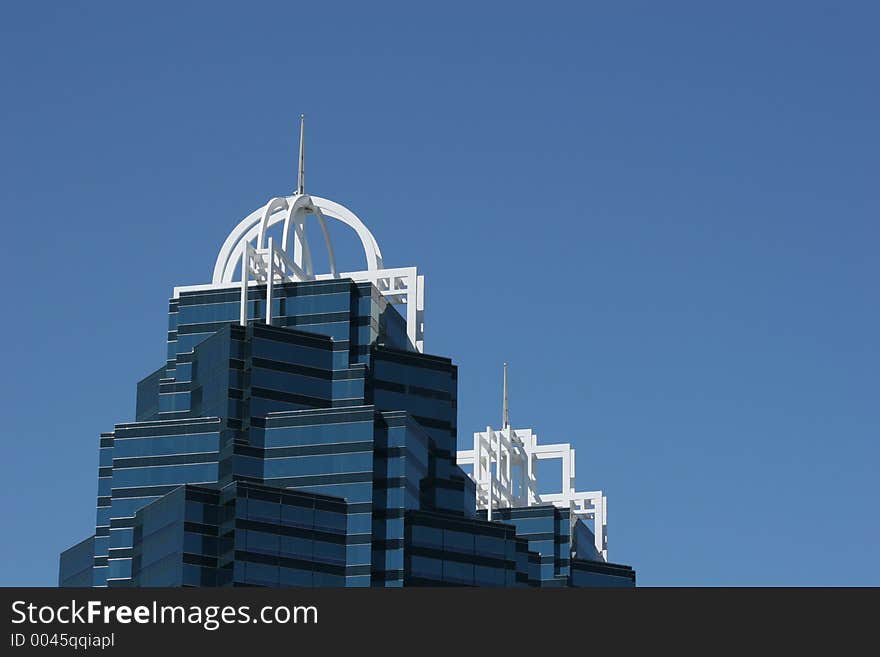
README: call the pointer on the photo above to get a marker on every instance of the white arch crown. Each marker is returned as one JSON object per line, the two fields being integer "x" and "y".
{"x": 292, "y": 210}
{"x": 251, "y": 253}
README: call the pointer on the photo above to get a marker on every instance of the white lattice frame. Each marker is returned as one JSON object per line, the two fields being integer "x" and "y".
{"x": 508, "y": 448}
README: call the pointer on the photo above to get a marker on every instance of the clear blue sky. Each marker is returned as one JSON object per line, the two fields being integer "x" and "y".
{"x": 664, "y": 215}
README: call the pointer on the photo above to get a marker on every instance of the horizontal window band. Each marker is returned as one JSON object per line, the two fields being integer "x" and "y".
{"x": 313, "y": 318}
{"x": 388, "y": 514}
{"x": 311, "y": 417}
{"x": 306, "y": 370}
{"x": 169, "y": 423}
{"x": 190, "y": 428}
{"x": 543, "y": 536}
{"x": 386, "y": 575}
{"x": 390, "y": 386}
{"x": 443, "y": 521}
{"x": 352, "y": 374}
{"x": 410, "y": 580}
{"x": 391, "y": 482}
{"x": 201, "y": 528}
{"x": 293, "y": 398}
{"x": 203, "y": 495}
{"x": 142, "y": 491}
{"x": 170, "y": 459}
{"x": 360, "y": 507}
{"x": 414, "y": 359}
{"x": 582, "y": 565}
{"x": 446, "y": 554}
{"x": 409, "y": 389}
{"x": 205, "y": 327}
{"x": 358, "y": 539}
{"x": 304, "y": 450}
{"x": 290, "y": 336}
{"x": 187, "y": 299}
{"x": 280, "y": 290}
{"x": 122, "y": 523}
{"x": 348, "y": 402}
{"x": 301, "y": 564}
{"x": 171, "y": 388}
{"x": 199, "y": 560}
{"x": 320, "y": 480}
{"x": 547, "y": 511}
{"x": 410, "y": 487}
{"x": 308, "y": 533}
{"x": 287, "y": 497}
{"x": 292, "y": 368}
{"x": 120, "y": 553}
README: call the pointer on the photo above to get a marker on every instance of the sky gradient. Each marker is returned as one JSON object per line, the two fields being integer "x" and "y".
{"x": 663, "y": 215}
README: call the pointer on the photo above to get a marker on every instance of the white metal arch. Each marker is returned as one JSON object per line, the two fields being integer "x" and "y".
{"x": 292, "y": 211}
{"x": 295, "y": 217}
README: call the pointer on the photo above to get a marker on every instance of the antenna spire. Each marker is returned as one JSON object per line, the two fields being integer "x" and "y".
{"x": 301, "y": 174}
{"x": 505, "y": 416}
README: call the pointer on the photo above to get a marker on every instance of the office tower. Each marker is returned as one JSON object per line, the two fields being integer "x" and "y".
{"x": 298, "y": 435}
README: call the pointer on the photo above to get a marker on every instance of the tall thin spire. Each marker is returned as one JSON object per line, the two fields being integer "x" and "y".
{"x": 505, "y": 415}
{"x": 301, "y": 175}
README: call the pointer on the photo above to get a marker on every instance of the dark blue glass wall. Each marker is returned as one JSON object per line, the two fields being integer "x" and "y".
{"x": 547, "y": 530}
{"x": 75, "y": 565}
{"x": 243, "y": 534}
{"x": 445, "y": 550}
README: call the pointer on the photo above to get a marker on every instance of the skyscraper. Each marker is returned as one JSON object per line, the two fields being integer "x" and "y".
{"x": 298, "y": 435}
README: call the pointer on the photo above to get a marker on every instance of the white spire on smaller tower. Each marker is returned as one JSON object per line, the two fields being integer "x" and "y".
{"x": 505, "y": 415}
{"x": 505, "y": 470}
{"x": 301, "y": 174}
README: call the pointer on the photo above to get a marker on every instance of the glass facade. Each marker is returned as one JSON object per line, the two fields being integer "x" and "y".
{"x": 547, "y": 531}
{"x": 445, "y": 550}
{"x": 76, "y": 563}
{"x": 243, "y": 534}
{"x": 315, "y": 451}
